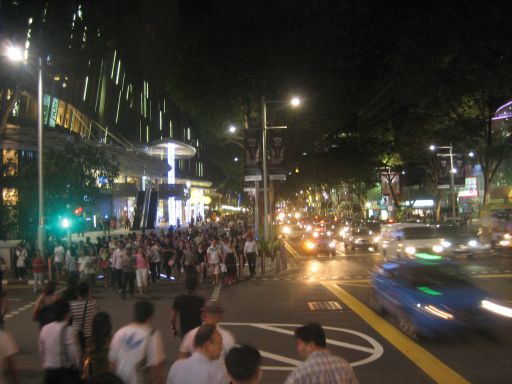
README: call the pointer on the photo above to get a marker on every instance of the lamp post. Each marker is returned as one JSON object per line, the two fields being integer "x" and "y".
{"x": 294, "y": 102}
{"x": 452, "y": 171}
{"x": 15, "y": 54}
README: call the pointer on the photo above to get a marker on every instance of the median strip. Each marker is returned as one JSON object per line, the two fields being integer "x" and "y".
{"x": 426, "y": 361}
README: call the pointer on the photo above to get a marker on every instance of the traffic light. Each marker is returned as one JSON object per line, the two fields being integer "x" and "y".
{"x": 65, "y": 223}
{"x": 78, "y": 211}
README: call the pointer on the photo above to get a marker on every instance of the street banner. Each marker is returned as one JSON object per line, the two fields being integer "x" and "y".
{"x": 460, "y": 173}
{"x": 395, "y": 183}
{"x": 252, "y": 158}
{"x": 277, "y": 149}
{"x": 443, "y": 172}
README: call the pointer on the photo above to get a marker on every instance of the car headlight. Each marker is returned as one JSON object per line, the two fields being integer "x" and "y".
{"x": 433, "y": 310}
{"x": 310, "y": 245}
{"x": 376, "y": 239}
{"x": 410, "y": 250}
{"x": 287, "y": 230}
{"x": 332, "y": 244}
{"x": 504, "y": 243}
{"x": 329, "y": 233}
{"x": 472, "y": 243}
{"x": 315, "y": 234}
{"x": 496, "y": 308}
{"x": 446, "y": 244}
{"x": 438, "y": 248}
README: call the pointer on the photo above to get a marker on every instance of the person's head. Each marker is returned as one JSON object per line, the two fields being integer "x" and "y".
{"x": 128, "y": 251}
{"x": 50, "y": 287}
{"x": 212, "y": 312}
{"x": 309, "y": 338}
{"x": 243, "y": 364}
{"x": 143, "y": 311}
{"x": 208, "y": 341}
{"x": 214, "y": 241}
{"x": 61, "y": 310}
{"x": 101, "y": 329}
{"x": 82, "y": 289}
{"x": 191, "y": 282}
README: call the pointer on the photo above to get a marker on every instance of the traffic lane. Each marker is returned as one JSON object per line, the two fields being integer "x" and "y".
{"x": 477, "y": 356}
{"x": 286, "y": 302}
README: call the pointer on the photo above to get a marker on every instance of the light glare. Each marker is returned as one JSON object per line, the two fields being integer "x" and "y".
{"x": 14, "y": 54}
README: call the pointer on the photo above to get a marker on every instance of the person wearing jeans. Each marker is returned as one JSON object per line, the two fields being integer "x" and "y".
{"x": 128, "y": 276}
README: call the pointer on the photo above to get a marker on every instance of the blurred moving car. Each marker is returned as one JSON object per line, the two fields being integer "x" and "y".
{"x": 293, "y": 232}
{"x": 410, "y": 241}
{"x": 430, "y": 299}
{"x": 458, "y": 243}
{"x": 361, "y": 237}
{"x": 317, "y": 243}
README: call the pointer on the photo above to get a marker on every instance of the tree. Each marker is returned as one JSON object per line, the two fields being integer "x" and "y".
{"x": 71, "y": 178}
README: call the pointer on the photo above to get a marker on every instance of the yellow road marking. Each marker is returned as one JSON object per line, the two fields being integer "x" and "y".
{"x": 496, "y": 276}
{"x": 431, "y": 365}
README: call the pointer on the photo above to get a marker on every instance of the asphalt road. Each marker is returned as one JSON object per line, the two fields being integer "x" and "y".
{"x": 332, "y": 291}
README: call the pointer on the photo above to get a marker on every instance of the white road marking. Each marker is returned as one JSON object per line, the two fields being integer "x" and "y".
{"x": 375, "y": 351}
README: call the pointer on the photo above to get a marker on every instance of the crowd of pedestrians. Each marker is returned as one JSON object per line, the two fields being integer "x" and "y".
{"x": 77, "y": 343}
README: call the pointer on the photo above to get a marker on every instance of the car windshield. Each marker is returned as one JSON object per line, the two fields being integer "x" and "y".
{"x": 362, "y": 231}
{"x": 433, "y": 276}
{"x": 419, "y": 233}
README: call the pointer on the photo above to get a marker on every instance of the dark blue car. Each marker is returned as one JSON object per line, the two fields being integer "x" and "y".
{"x": 427, "y": 299}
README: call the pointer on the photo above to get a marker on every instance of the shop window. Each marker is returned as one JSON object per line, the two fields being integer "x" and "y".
{"x": 10, "y": 196}
{"x": 9, "y": 162}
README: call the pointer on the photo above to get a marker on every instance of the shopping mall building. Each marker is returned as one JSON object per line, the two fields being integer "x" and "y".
{"x": 91, "y": 95}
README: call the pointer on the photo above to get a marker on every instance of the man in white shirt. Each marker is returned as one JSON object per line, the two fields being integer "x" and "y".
{"x": 58, "y": 259}
{"x": 211, "y": 314}
{"x": 250, "y": 252}
{"x": 58, "y": 346}
{"x": 203, "y": 366}
{"x": 137, "y": 347}
{"x": 214, "y": 256}
{"x": 117, "y": 263}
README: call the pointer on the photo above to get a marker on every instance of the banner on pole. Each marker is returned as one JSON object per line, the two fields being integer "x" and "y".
{"x": 277, "y": 149}
{"x": 252, "y": 158}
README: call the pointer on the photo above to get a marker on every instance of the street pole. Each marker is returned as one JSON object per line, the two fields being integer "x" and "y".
{"x": 40, "y": 154}
{"x": 265, "y": 169}
{"x": 452, "y": 182}
{"x": 256, "y": 209}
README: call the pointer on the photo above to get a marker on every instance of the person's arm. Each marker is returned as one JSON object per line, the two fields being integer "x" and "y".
{"x": 174, "y": 314}
{"x": 157, "y": 374}
{"x": 10, "y": 370}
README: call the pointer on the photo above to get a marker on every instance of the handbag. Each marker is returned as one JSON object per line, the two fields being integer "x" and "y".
{"x": 223, "y": 268}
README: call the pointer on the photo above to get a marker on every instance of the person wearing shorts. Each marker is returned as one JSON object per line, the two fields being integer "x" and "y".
{"x": 214, "y": 255}
{"x": 141, "y": 273}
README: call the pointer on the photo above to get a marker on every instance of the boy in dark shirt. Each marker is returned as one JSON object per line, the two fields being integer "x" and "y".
{"x": 188, "y": 306}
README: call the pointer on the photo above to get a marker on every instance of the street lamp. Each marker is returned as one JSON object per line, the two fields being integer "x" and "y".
{"x": 15, "y": 54}
{"x": 294, "y": 101}
{"x": 232, "y": 129}
{"x": 453, "y": 171}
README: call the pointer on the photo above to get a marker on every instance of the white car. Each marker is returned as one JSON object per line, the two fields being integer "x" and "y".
{"x": 411, "y": 241}
{"x": 292, "y": 231}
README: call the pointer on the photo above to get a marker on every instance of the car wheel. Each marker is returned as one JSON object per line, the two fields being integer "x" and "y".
{"x": 375, "y": 304}
{"x": 406, "y": 325}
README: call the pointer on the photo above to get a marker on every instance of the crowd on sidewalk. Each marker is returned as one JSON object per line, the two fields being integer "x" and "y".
{"x": 76, "y": 340}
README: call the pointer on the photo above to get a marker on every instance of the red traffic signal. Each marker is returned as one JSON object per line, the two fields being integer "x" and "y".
{"x": 78, "y": 211}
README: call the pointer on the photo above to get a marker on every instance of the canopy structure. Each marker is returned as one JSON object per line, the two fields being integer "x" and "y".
{"x": 159, "y": 148}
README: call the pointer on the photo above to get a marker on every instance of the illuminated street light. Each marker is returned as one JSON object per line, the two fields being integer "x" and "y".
{"x": 236, "y": 159}
{"x": 432, "y": 147}
{"x": 471, "y": 154}
{"x": 232, "y": 129}
{"x": 14, "y": 54}
{"x": 295, "y": 101}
